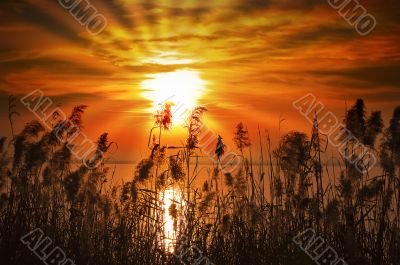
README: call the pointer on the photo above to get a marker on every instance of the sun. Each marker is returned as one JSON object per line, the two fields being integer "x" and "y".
{"x": 183, "y": 88}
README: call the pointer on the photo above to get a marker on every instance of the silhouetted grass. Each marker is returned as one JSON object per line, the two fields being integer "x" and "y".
{"x": 244, "y": 217}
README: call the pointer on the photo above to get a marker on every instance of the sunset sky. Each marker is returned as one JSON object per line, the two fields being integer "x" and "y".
{"x": 245, "y": 60}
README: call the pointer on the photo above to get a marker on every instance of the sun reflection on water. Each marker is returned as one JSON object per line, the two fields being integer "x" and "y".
{"x": 169, "y": 198}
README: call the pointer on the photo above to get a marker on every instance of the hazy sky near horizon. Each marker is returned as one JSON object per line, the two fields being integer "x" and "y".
{"x": 245, "y": 60}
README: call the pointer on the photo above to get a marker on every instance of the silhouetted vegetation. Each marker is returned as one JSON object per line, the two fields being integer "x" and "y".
{"x": 248, "y": 216}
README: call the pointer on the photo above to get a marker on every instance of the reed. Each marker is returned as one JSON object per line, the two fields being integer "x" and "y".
{"x": 235, "y": 218}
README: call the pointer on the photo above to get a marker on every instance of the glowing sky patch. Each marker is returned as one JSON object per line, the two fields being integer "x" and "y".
{"x": 184, "y": 88}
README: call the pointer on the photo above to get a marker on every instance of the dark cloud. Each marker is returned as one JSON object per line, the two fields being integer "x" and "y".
{"x": 120, "y": 12}
{"x": 51, "y": 65}
{"x": 331, "y": 33}
{"x": 368, "y": 76}
{"x": 256, "y": 5}
{"x": 194, "y": 13}
{"x": 23, "y": 10}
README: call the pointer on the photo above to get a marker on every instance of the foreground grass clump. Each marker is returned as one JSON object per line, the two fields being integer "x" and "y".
{"x": 248, "y": 216}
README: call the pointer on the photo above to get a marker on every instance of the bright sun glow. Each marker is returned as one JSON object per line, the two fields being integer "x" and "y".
{"x": 183, "y": 87}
